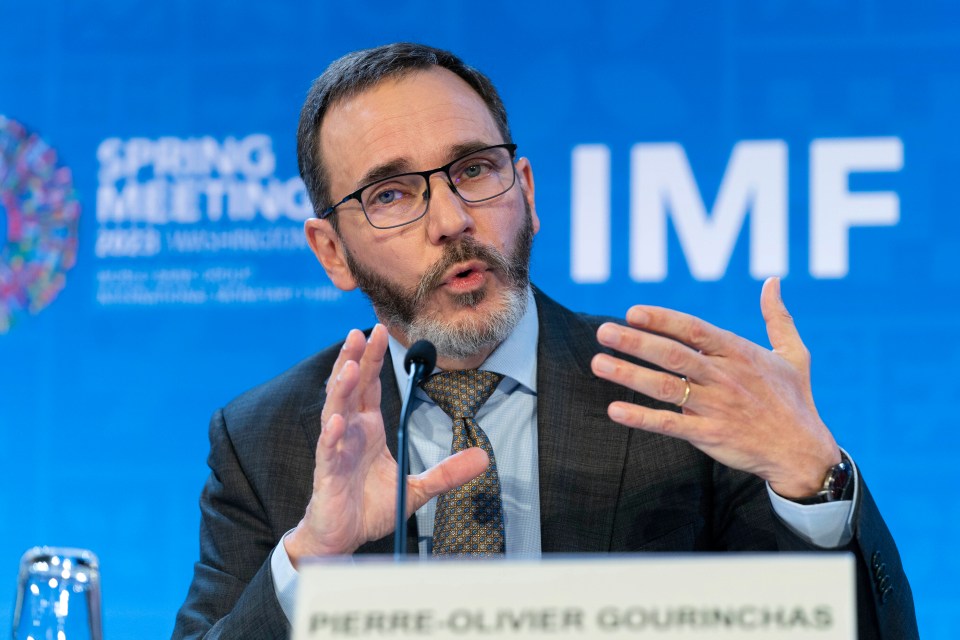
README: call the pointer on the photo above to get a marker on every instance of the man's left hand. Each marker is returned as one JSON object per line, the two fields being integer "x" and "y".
{"x": 748, "y": 407}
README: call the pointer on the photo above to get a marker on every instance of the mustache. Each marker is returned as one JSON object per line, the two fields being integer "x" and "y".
{"x": 467, "y": 248}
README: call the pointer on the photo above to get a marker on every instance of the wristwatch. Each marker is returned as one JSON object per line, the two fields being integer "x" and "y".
{"x": 837, "y": 485}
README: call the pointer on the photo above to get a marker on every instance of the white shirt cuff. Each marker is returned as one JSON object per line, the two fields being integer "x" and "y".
{"x": 285, "y": 578}
{"x": 828, "y": 525}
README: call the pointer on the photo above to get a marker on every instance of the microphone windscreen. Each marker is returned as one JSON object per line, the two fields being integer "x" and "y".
{"x": 423, "y": 353}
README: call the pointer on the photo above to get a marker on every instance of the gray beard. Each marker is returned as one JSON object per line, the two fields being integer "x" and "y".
{"x": 405, "y": 309}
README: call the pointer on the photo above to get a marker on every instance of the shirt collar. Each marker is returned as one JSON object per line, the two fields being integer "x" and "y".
{"x": 515, "y": 357}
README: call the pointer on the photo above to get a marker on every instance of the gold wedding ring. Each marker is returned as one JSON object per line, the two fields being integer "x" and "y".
{"x": 686, "y": 392}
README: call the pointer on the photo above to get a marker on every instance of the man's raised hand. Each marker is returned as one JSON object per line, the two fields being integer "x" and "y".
{"x": 355, "y": 479}
{"x": 748, "y": 407}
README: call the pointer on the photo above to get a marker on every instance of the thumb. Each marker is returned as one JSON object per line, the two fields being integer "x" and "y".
{"x": 781, "y": 330}
{"x": 450, "y": 473}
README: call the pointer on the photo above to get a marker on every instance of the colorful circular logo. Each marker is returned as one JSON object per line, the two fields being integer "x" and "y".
{"x": 39, "y": 219}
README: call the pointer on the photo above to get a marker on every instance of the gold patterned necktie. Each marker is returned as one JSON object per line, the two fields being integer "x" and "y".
{"x": 469, "y": 519}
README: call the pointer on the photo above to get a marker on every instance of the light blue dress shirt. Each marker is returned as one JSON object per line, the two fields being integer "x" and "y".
{"x": 509, "y": 418}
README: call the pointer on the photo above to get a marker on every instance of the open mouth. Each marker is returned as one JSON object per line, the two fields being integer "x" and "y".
{"x": 466, "y": 276}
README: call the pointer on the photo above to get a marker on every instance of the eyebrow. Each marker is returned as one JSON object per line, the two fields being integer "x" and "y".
{"x": 402, "y": 165}
{"x": 465, "y": 148}
{"x": 384, "y": 170}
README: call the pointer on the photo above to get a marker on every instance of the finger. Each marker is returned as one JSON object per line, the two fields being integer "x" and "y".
{"x": 371, "y": 362}
{"x": 340, "y": 389}
{"x": 351, "y": 350}
{"x": 655, "y": 384}
{"x": 665, "y": 352}
{"x": 449, "y": 474}
{"x": 781, "y": 330}
{"x": 662, "y": 421}
{"x": 682, "y": 327}
{"x": 330, "y": 436}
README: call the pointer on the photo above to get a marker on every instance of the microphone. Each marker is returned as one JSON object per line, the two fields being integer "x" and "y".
{"x": 419, "y": 363}
{"x": 424, "y": 355}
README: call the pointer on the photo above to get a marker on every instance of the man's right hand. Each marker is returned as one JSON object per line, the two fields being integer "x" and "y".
{"x": 355, "y": 479}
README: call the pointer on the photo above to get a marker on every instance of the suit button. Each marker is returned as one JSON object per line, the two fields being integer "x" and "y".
{"x": 885, "y": 595}
{"x": 879, "y": 571}
{"x": 876, "y": 560}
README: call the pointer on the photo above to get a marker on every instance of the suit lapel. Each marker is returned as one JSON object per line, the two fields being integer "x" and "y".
{"x": 390, "y": 408}
{"x": 581, "y": 451}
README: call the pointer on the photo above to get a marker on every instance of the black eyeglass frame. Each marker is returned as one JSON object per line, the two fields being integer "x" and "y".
{"x": 512, "y": 148}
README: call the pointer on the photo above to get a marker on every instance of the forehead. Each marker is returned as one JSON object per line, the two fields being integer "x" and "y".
{"x": 413, "y": 121}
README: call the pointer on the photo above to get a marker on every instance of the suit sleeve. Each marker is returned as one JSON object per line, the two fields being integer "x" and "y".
{"x": 885, "y": 606}
{"x": 232, "y": 594}
{"x": 744, "y": 520}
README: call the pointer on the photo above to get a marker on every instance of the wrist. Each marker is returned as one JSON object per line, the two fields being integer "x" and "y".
{"x": 800, "y": 486}
{"x": 301, "y": 543}
{"x": 837, "y": 485}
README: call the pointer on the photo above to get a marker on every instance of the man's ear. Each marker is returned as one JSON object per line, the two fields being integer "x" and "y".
{"x": 525, "y": 175}
{"x": 328, "y": 247}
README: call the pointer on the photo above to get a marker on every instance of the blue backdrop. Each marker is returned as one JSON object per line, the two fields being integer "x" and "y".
{"x": 152, "y": 264}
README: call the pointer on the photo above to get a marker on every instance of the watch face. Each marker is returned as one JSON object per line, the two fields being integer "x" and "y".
{"x": 838, "y": 481}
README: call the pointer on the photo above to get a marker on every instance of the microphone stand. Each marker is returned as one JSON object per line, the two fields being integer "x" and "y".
{"x": 420, "y": 361}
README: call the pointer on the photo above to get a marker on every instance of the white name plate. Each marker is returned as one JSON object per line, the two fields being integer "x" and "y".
{"x": 752, "y": 596}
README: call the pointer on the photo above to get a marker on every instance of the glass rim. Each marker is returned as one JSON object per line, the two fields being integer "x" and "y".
{"x": 57, "y": 559}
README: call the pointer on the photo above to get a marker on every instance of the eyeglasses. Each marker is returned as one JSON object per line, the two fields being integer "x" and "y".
{"x": 401, "y": 199}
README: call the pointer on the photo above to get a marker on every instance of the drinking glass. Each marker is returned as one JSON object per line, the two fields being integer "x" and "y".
{"x": 58, "y": 595}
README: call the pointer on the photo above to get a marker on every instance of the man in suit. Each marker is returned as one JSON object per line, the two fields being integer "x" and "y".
{"x": 662, "y": 434}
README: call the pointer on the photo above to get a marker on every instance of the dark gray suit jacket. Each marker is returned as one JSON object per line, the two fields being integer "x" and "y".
{"x": 603, "y": 488}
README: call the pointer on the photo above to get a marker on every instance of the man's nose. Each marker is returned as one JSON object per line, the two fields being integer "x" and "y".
{"x": 447, "y": 214}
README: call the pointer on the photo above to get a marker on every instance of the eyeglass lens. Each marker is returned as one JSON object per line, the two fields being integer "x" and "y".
{"x": 480, "y": 176}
